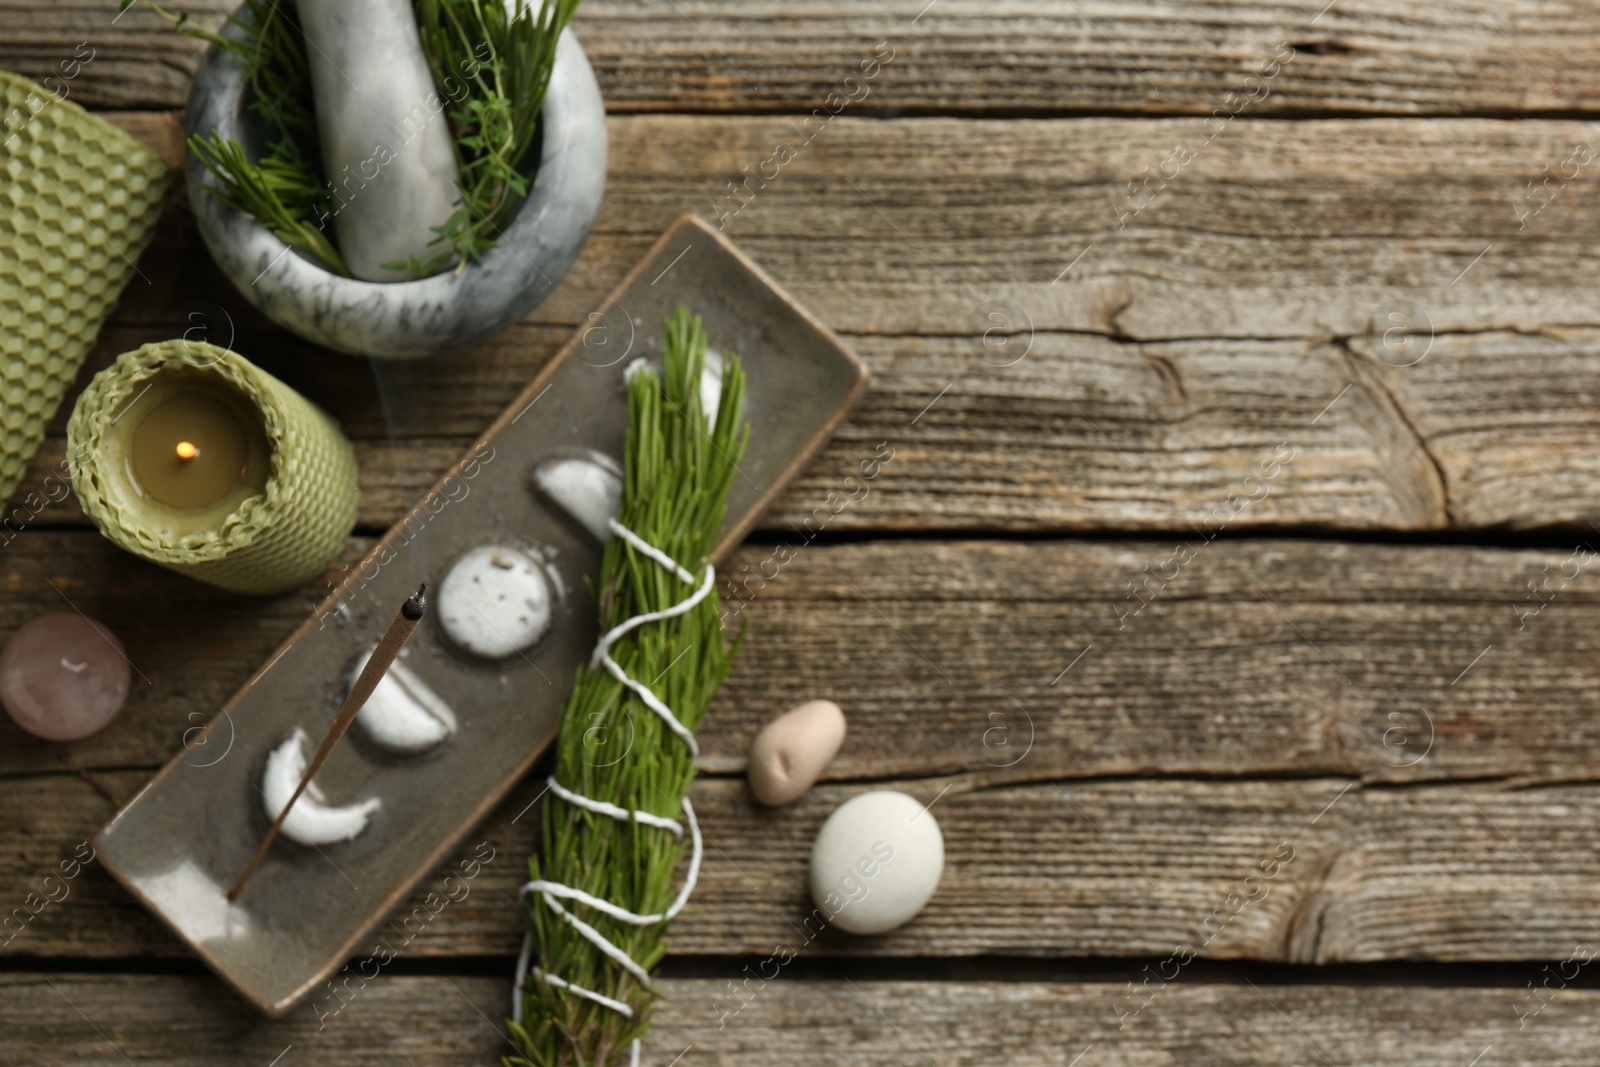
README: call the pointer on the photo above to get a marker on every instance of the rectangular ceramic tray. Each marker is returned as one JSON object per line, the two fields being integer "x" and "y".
{"x": 189, "y": 833}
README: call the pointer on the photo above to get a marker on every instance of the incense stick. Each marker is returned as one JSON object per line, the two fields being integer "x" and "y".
{"x": 378, "y": 663}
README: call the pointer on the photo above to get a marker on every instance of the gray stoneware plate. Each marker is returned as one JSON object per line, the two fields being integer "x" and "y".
{"x": 188, "y": 834}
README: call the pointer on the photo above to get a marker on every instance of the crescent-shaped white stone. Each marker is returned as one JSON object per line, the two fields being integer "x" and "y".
{"x": 587, "y": 487}
{"x": 403, "y": 715}
{"x": 312, "y": 820}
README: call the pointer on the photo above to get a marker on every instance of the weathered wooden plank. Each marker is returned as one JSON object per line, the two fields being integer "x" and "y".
{"x": 1310, "y": 230}
{"x": 1337, "y": 873}
{"x": 1135, "y": 390}
{"x": 1302, "y": 871}
{"x": 1085, "y": 433}
{"x": 103, "y": 58}
{"x": 160, "y": 130}
{"x": 1249, "y": 657}
{"x": 72, "y": 1019}
{"x": 965, "y": 56}
{"x": 1271, "y": 229}
{"x": 1503, "y": 415}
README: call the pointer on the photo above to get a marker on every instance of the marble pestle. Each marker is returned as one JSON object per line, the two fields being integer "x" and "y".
{"x": 385, "y": 140}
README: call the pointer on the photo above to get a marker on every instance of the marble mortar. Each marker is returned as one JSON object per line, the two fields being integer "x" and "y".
{"x": 407, "y": 320}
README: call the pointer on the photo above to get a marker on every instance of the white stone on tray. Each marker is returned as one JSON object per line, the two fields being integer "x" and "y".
{"x": 496, "y": 600}
{"x": 711, "y": 373}
{"x": 791, "y": 752}
{"x": 385, "y": 138}
{"x": 876, "y": 862}
{"x": 711, "y": 385}
{"x": 193, "y": 902}
{"x": 403, "y": 715}
{"x": 312, "y": 821}
{"x": 587, "y": 486}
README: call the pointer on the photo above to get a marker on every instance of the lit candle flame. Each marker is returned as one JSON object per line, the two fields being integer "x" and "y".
{"x": 187, "y": 451}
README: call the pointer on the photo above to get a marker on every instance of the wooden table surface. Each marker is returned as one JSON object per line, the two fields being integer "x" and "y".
{"x": 1227, "y": 591}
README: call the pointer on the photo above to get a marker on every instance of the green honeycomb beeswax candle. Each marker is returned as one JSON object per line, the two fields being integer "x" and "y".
{"x": 82, "y": 200}
{"x": 281, "y": 521}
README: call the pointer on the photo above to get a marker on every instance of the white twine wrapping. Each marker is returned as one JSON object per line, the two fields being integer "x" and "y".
{"x": 601, "y": 807}
{"x": 556, "y": 889}
{"x": 549, "y": 891}
{"x": 602, "y": 651}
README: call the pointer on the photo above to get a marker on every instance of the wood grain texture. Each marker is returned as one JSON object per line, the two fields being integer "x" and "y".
{"x": 1308, "y": 871}
{"x": 1273, "y": 657}
{"x": 1097, "y": 321}
{"x": 1086, "y": 433}
{"x": 1439, "y": 57}
{"x": 1135, "y": 391}
{"x": 793, "y": 1021}
{"x": 159, "y": 130}
{"x": 1273, "y": 229}
{"x": 1269, "y": 229}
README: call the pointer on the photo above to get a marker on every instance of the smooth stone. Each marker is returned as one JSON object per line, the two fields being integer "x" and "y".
{"x": 587, "y": 487}
{"x": 791, "y": 752}
{"x": 712, "y": 371}
{"x": 711, "y": 385}
{"x": 496, "y": 600}
{"x": 403, "y": 716}
{"x": 406, "y": 320}
{"x": 312, "y": 820}
{"x": 63, "y": 676}
{"x": 381, "y": 124}
{"x": 876, "y": 862}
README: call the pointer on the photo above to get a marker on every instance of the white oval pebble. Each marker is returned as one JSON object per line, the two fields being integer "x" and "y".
{"x": 495, "y": 601}
{"x": 876, "y": 862}
{"x": 403, "y": 715}
{"x": 791, "y": 752}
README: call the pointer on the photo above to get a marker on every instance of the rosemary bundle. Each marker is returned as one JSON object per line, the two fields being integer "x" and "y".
{"x": 612, "y": 747}
{"x": 491, "y": 72}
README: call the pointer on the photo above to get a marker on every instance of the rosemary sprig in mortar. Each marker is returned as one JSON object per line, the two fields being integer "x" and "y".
{"x": 611, "y": 746}
{"x": 495, "y": 123}
{"x": 491, "y": 71}
{"x": 282, "y": 190}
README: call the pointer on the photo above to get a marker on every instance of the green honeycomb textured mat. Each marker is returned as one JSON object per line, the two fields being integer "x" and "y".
{"x": 83, "y": 199}
{"x": 274, "y": 541}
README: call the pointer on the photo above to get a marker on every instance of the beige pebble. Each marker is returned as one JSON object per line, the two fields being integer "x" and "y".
{"x": 791, "y": 752}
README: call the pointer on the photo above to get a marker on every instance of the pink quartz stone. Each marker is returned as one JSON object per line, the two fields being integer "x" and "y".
{"x": 63, "y": 676}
